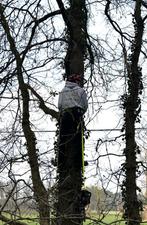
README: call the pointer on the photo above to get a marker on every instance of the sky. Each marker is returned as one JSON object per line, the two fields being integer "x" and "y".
{"x": 105, "y": 115}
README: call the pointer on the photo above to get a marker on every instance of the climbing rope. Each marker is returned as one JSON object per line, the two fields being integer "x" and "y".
{"x": 83, "y": 166}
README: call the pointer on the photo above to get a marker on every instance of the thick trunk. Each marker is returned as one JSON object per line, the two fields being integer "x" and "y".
{"x": 40, "y": 192}
{"x": 132, "y": 105}
{"x": 132, "y": 204}
{"x": 70, "y": 170}
{"x": 69, "y": 210}
{"x": 74, "y": 60}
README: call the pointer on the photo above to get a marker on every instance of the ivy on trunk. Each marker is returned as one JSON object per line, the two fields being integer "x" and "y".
{"x": 69, "y": 173}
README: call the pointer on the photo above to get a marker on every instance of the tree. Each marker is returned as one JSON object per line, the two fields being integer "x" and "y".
{"x": 103, "y": 201}
{"x": 132, "y": 107}
{"x": 15, "y": 52}
{"x": 70, "y": 148}
{"x": 35, "y": 52}
{"x": 39, "y": 190}
{"x": 16, "y": 61}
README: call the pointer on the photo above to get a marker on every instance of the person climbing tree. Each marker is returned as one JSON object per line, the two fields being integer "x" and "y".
{"x": 72, "y": 105}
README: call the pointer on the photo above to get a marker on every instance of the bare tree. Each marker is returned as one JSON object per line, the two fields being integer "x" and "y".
{"x": 132, "y": 107}
{"x": 35, "y": 55}
{"x": 70, "y": 148}
{"x": 16, "y": 61}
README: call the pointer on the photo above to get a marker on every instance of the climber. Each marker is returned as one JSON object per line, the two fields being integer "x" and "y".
{"x": 72, "y": 105}
{"x": 73, "y": 97}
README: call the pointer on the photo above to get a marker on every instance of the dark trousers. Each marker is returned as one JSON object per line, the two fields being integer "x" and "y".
{"x": 70, "y": 140}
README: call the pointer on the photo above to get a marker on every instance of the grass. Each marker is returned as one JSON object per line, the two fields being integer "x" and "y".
{"x": 108, "y": 219}
{"x": 111, "y": 218}
{"x": 29, "y": 220}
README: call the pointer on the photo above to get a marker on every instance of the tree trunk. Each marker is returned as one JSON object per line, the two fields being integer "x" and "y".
{"x": 70, "y": 179}
{"x": 132, "y": 204}
{"x": 70, "y": 171}
{"x": 132, "y": 106}
{"x": 74, "y": 60}
{"x": 40, "y": 192}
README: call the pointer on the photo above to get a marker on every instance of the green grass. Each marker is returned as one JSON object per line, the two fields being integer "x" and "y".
{"x": 113, "y": 219}
{"x": 108, "y": 219}
{"x": 29, "y": 220}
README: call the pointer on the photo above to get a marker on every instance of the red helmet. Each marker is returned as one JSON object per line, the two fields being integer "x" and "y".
{"x": 74, "y": 78}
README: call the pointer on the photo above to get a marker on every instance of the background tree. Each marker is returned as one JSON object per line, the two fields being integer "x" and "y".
{"x": 101, "y": 201}
{"x": 132, "y": 107}
{"x": 21, "y": 76}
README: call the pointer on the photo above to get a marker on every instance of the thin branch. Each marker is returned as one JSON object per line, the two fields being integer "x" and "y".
{"x": 57, "y": 12}
{"x": 42, "y": 105}
{"x": 37, "y": 22}
{"x": 144, "y": 4}
{"x": 47, "y": 41}
{"x": 113, "y": 23}
{"x": 65, "y": 16}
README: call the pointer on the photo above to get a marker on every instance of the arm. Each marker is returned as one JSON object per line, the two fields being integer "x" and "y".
{"x": 60, "y": 101}
{"x": 84, "y": 101}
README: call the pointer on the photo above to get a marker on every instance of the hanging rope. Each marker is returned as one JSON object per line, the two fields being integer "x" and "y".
{"x": 83, "y": 166}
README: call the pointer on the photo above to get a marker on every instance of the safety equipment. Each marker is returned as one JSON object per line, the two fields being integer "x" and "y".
{"x": 83, "y": 165}
{"x": 74, "y": 78}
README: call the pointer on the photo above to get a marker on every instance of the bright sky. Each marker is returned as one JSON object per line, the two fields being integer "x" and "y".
{"x": 110, "y": 116}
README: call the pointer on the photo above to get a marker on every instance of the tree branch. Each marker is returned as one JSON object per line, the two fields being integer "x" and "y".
{"x": 65, "y": 16}
{"x": 113, "y": 23}
{"x": 42, "y": 105}
{"x": 42, "y": 19}
{"x": 37, "y": 22}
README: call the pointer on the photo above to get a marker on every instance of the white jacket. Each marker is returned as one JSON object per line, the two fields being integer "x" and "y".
{"x": 71, "y": 96}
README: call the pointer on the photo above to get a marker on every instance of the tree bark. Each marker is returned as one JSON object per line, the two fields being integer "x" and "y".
{"x": 132, "y": 104}
{"x": 74, "y": 60}
{"x": 70, "y": 148}
{"x": 70, "y": 171}
{"x": 40, "y": 192}
{"x": 132, "y": 107}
